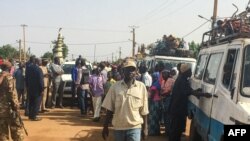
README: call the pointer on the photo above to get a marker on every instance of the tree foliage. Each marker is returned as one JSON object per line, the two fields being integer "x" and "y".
{"x": 195, "y": 47}
{"x": 7, "y": 51}
{"x": 48, "y": 55}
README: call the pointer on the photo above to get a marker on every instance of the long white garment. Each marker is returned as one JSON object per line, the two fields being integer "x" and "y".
{"x": 97, "y": 103}
{"x": 147, "y": 79}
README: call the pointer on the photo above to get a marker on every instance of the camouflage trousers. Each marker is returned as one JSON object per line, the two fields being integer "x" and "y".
{"x": 6, "y": 125}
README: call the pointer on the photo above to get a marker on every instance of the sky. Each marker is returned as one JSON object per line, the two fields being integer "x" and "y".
{"x": 101, "y": 27}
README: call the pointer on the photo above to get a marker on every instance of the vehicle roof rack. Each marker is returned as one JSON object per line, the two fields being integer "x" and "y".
{"x": 238, "y": 26}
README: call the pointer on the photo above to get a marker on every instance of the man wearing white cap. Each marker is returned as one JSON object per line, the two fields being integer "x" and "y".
{"x": 127, "y": 103}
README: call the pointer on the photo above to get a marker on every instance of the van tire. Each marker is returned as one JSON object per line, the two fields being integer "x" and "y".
{"x": 193, "y": 134}
{"x": 222, "y": 138}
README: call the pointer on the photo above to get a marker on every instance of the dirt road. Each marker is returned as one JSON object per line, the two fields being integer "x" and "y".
{"x": 66, "y": 125}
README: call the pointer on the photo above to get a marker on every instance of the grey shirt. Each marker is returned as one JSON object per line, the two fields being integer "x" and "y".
{"x": 56, "y": 71}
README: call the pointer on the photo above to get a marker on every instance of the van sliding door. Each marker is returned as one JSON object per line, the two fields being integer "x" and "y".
{"x": 208, "y": 86}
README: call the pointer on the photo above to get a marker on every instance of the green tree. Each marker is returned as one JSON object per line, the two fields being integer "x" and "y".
{"x": 7, "y": 51}
{"x": 65, "y": 49}
{"x": 195, "y": 47}
{"x": 48, "y": 55}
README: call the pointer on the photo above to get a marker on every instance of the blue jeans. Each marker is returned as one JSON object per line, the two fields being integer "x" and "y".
{"x": 81, "y": 100}
{"x": 128, "y": 135}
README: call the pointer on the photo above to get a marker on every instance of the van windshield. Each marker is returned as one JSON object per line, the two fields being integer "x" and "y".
{"x": 67, "y": 68}
{"x": 246, "y": 74}
{"x": 169, "y": 64}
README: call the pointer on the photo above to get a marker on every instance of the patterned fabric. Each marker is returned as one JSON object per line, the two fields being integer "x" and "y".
{"x": 96, "y": 83}
{"x": 15, "y": 130}
{"x": 7, "y": 95}
{"x": 154, "y": 117}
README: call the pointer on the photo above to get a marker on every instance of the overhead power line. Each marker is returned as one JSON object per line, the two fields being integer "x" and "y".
{"x": 153, "y": 11}
{"x": 3, "y": 26}
{"x": 78, "y": 28}
{"x": 171, "y": 12}
{"x": 68, "y": 28}
{"x": 100, "y": 43}
{"x": 103, "y": 55}
{"x": 195, "y": 29}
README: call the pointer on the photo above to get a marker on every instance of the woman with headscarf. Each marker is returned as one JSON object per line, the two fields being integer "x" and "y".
{"x": 154, "y": 107}
{"x": 166, "y": 89}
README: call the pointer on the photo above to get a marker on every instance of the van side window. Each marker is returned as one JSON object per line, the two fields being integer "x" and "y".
{"x": 245, "y": 72}
{"x": 200, "y": 68}
{"x": 212, "y": 68}
{"x": 228, "y": 68}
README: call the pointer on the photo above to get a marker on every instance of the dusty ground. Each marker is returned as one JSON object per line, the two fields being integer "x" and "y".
{"x": 66, "y": 125}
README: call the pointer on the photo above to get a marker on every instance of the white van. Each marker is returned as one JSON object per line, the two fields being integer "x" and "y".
{"x": 223, "y": 71}
{"x": 168, "y": 61}
{"x": 67, "y": 78}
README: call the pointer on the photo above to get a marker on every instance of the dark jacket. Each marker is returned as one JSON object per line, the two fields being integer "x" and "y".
{"x": 35, "y": 80}
{"x": 179, "y": 98}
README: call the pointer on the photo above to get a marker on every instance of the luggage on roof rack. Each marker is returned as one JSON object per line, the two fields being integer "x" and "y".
{"x": 238, "y": 26}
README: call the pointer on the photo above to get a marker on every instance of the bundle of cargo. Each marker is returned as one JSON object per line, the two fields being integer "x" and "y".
{"x": 171, "y": 46}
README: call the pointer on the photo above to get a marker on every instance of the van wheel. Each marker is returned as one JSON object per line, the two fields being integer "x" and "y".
{"x": 194, "y": 135}
{"x": 222, "y": 138}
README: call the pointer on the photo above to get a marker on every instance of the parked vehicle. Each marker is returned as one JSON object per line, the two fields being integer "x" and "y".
{"x": 222, "y": 71}
{"x": 168, "y": 61}
{"x": 66, "y": 77}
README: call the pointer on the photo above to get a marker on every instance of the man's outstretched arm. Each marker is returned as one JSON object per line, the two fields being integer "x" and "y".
{"x": 105, "y": 130}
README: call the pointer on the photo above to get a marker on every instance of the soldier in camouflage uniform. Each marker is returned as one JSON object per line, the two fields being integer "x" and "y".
{"x": 8, "y": 103}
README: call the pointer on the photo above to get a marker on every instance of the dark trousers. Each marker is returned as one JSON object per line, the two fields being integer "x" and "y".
{"x": 20, "y": 93}
{"x": 176, "y": 127}
{"x": 73, "y": 90}
{"x": 81, "y": 100}
{"x": 73, "y": 94}
{"x": 27, "y": 103}
{"x": 34, "y": 105}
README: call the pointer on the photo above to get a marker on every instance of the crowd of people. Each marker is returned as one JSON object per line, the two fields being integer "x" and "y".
{"x": 135, "y": 101}
{"x": 141, "y": 103}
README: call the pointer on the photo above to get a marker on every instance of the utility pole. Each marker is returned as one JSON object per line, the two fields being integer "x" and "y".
{"x": 20, "y": 50}
{"x": 23, "y": 25}
{"x": 120, "y": 53}
{"x": 94, "y": 53}
{"x": 29, "y": 51}
{"x": 112, "y": 57}
{"x": 133, "y": 43}
{"x": 214, "y": 13}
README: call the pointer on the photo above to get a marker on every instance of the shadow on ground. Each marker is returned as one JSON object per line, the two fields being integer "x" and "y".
{"x": 72, "y": 118}
{"x": 91, "y": 135}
